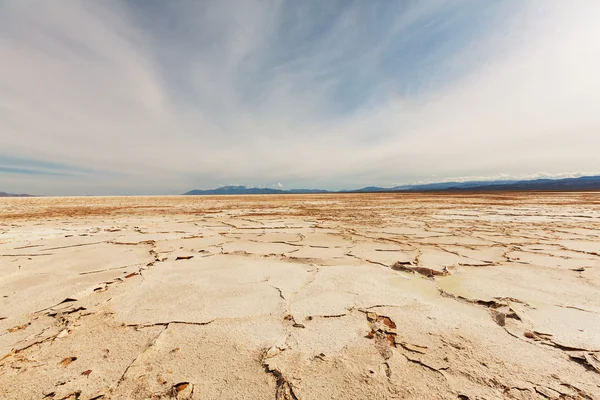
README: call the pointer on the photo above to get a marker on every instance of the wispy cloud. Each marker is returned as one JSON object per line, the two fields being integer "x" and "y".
{"x": 27, "y": 171}
{"x": 167, "y": 96}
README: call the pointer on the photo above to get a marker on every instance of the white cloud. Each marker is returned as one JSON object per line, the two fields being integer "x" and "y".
{"x": 93, "y": 86}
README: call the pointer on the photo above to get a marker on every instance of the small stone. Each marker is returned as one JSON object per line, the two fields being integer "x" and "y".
{"x": 182, "y": 390}
{"x": 62, "y": 334}
{"x": 272, "y": 352}
{"x": 499, "y": 317}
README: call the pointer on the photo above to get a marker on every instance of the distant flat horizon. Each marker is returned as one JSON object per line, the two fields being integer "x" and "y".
{"x": 582, "y": 183}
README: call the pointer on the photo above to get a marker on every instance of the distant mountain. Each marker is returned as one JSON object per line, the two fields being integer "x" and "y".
{"x": 300, "y": 191}
{"x": 246, "y": 190}
{"x": 448, "y": 185}
{"x": 371, "y": 189}
{"x": 567, "y": 184}
{"x": 4, "y": 194}
{"x": 233, "y": 190}
{"x": 431, "y": 186}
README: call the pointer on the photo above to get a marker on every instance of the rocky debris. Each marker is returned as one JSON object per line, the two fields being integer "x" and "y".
{"x": 498, "y": 316}
{"x": 547, "y": 393}
{"x": 182, "y": 390}
{"x": 500, "y": 308}
{"x": 529, "y": 335}
{"x": 18, "y": 327}
{"x": 67, "y": 361}
{"x": 59, "y": 313}
{"x": 589, "y": 360}
{"x": 410, "y": 267}
{"x": 67, "y": 300}
{"x": 383, "y": 331}
{"x": 289, "y": 317}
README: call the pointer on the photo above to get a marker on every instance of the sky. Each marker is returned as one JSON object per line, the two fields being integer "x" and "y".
{"x": 161, "y": 97}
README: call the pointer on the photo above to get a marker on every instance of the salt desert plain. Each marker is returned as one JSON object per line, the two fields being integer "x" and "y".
{"x": 354, "y": 296}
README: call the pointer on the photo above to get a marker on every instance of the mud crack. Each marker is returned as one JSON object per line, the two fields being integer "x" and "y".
{"x": 284, "y": 389}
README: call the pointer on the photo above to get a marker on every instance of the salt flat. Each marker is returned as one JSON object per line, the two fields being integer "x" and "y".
{"x": 386, "y": 296}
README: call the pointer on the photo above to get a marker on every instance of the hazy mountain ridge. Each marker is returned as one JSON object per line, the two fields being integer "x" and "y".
{"x": 4, "y": 194}
{"x": 565, "y": 184}
{"x": 225, "y": 190}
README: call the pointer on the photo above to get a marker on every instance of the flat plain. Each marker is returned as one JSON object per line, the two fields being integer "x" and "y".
{"x": 355, "y": 296}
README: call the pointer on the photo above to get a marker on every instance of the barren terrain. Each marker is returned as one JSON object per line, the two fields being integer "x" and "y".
{"x": 366, "y": 296}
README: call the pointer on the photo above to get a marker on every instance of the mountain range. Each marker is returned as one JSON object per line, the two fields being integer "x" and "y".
{"x": 4, "y": 194}
{"x": 584, "y": 183}
{"x": 246, "y": 190}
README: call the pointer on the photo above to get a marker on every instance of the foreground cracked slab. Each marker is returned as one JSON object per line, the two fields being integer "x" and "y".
{"x": 387, "y": 296}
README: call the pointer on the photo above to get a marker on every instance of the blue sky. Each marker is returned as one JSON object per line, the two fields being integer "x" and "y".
{"x": 155, "y": 97}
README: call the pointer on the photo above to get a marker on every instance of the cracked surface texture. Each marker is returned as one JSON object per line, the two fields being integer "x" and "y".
{"x": 387, "y": 296}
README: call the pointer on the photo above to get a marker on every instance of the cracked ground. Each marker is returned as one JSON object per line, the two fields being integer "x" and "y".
{"x": 367, "y": 296}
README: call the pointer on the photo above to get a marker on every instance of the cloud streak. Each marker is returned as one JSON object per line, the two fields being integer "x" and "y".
{"x": 162, "y": 97}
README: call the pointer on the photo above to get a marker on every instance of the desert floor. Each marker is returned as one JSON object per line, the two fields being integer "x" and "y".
{"x": 366, "y": 296}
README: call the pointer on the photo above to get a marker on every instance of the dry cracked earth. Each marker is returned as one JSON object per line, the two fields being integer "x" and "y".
{"x": 387, "y": 296}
